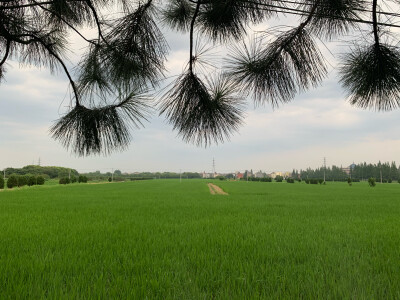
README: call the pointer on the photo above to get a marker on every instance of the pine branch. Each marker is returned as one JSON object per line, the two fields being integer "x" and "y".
{"x": 196, "y": 12}
{"x": 6, "y": 53}
{"x": 65, "y": 22}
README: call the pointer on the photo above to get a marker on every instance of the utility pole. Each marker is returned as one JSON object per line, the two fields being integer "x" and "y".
{"x": 213, "y": 167}
{"x": 39, "y": 162}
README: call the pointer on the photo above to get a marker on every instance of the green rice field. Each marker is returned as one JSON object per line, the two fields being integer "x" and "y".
{"x": 162, "y": 239}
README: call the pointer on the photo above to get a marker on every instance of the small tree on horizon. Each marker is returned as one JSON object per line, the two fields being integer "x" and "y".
{"x": 32, "y": 180}
{"x": 371, "y": 182}
{"x": 40, "y": 180}
{"x": 12, "y": 181}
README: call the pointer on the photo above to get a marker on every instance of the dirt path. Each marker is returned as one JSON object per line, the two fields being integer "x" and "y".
{"x": 215, "y": 189}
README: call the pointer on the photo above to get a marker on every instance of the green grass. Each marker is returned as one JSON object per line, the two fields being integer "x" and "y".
{"x": 164, "y": 239}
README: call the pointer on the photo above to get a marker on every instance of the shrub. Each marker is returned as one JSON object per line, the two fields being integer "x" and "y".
{"x": 45, "y": 176}
{"x": 64, "y": 180}
{"x": 278, "y": 178}
{"x": 23, "y": 180}
{"x": 221, "y": 177}
{"x": 390, "y": 180}
{"x": 266, "y": 179}
{"x": 40, "y": 180}
{"x": 349, "y": 181}
{"x": 82, "y": 179}
{"x": 371, "y": 182}
{"x": 307, "y": 181}
{"x": 12, "y": 181}
{"x": 31, "y": 180}
{"x": 290, "y": 180}
{"x": 314, "y": 181}
{"x": 109, "y": 179}
{"x": 321, "y": 181}
{"x": 73, "y": 179}
{"x": 299, "y": 179}
{"x": 1, "y": 183}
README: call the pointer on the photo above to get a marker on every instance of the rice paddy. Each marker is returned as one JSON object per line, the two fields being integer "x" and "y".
{"x": 163, "y": 239}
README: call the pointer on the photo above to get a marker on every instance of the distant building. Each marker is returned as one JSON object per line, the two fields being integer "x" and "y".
{"x": 207, "y": 175}
{"x": 259, "y": 174}
{"x": 239, "y": 175}
{"x": 273, "y": 175}
{"x": 283, "y": 174}
{"x": 348, "y": 169}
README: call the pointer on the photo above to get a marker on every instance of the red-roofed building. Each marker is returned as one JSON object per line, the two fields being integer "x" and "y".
{"x": 239, "y": 175}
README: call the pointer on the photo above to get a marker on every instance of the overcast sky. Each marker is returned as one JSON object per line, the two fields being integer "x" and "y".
{"x": 317, "y": 123}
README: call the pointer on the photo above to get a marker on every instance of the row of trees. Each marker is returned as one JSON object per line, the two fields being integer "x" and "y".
{"x": 333, "y": 173}
{"x": 385, "y": 171}
{"x": 73, "y": 179}
{"x": 388, "y": 172}
{"x": 22, "y": 180}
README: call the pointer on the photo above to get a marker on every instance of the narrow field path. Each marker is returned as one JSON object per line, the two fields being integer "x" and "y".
{"x": 215, "y": 189}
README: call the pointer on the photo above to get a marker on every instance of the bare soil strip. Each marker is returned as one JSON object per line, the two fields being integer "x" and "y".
{"x": 212, "y": 192}
{"x": 215, "y": 189}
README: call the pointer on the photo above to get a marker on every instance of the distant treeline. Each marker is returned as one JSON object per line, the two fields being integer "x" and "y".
{"x": 118, "y": 176}
{"x": 361, "y": 171}
{"x": 48, "y": 172}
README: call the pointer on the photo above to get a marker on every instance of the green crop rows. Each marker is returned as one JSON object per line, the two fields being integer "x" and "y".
{"x": 165, "y": 239}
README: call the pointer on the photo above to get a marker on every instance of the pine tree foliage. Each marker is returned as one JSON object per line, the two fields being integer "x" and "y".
{"x": 126, "y": 60}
